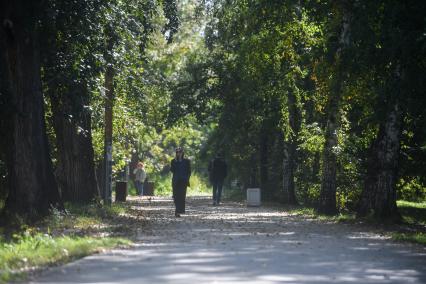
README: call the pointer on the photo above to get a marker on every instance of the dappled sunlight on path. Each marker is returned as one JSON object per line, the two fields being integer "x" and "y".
{"x": 232, "y": 243}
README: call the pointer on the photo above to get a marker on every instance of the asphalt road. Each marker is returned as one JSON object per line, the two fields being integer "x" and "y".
{"x": 235, "y": 244}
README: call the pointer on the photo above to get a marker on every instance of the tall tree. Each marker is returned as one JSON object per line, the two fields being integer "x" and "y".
{"x": 32, "y": 187}
{"x": 121, "y": 31}
{"x": 397, "y": 43}
{"x": 260, "y": 54}
{"x": 327, "y": 199}
{"x": 290, "y": 143}
{"x": 69, "y": 66}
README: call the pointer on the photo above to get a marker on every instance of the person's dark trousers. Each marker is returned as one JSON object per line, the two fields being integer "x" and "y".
{"x": 139, "y": 187}
{"x": 217, "y": 190}
{"x": 179, "y": 195}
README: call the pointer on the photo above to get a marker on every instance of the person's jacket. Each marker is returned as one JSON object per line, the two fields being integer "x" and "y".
{"x": 217, "y": 169}
{"x": 181, "y": 170}
{"x": 140, "y": 174}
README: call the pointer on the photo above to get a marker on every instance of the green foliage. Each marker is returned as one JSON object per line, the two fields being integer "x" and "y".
{"x": 271, "y": 70}
{"x": 252, "y": 79}
{"x": 412, "y": 189}
{"x": 163, "y": 185}
{"x": 258, "y": 70}
{"x": 197, "y": 185}
{"x": 143, "y": 95}
{"x": 311, "y": 139}
{"x": 312, "y": 194}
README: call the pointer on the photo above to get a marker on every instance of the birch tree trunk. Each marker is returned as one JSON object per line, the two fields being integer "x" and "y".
{"x": 289, "y": 148}
{"x": 327, "y": 200}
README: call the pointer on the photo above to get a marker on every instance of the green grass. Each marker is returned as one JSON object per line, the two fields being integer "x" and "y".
{"x": 82, "y": 217}
{"x": 29, "y": 251}
{"x": 310, "y": 212}
{"x": 61, "y": 237}
{"x": 302, "y": 211}
{"x": 419, "y": 238}
{"x": 412, "y": 212}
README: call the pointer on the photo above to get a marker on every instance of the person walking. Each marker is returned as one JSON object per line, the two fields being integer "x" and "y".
{"x": 217, "y": 172}
{"x": 181, "y": 170}
{"x": 140, "y": 176}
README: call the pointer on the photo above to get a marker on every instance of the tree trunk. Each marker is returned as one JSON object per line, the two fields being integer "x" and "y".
{"x": 379, "y": 193}
{"x": 327, "y": 200}
{"x": 316, "y": 167}
{"x": 288, "y": 174}
{"x": 290, "y": 146}
{"x": 264, "y": 161}
{"x": 253, "y": 168}
{"x": 32, "y": 187}
{"x": 76, "y": 169}
{"x": 109, "y": 104}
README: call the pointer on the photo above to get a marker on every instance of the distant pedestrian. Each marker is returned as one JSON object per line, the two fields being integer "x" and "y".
{"x": 218, "y": 170}
{"x": 181, "y": 169}
{"x": 140, "y": 176}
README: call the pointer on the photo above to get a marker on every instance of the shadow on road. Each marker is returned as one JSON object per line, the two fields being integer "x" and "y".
{"x": 233, "y": 244}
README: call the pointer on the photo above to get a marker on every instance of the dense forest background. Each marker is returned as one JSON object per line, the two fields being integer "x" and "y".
{"x": 319, "y": 103}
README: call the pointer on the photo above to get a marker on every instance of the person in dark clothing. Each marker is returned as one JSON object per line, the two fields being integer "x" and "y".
{"x": 217, "y": 172}
{"x": 181, "y": 169}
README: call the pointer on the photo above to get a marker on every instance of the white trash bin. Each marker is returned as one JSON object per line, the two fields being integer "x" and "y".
{"x": 253, "y": 196}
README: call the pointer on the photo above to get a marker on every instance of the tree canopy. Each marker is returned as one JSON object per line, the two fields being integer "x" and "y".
{"x": 317, "y": 102}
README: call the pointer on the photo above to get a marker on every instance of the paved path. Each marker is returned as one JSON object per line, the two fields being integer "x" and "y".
{"x": 235, "y": 244}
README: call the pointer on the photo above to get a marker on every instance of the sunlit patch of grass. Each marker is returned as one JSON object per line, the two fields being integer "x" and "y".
{"x": 346, "y": 217}
{"x": 403, "y": 203}
{"x": 419, "y": 238}
{"x": 84, "y": 222}
{"x": 83, "y": 216}
{"x": 302, "y": 211}
{"x": 412, "y": 212}
{"x": 27, "y": 251}
{"x": 310, "y": 212}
